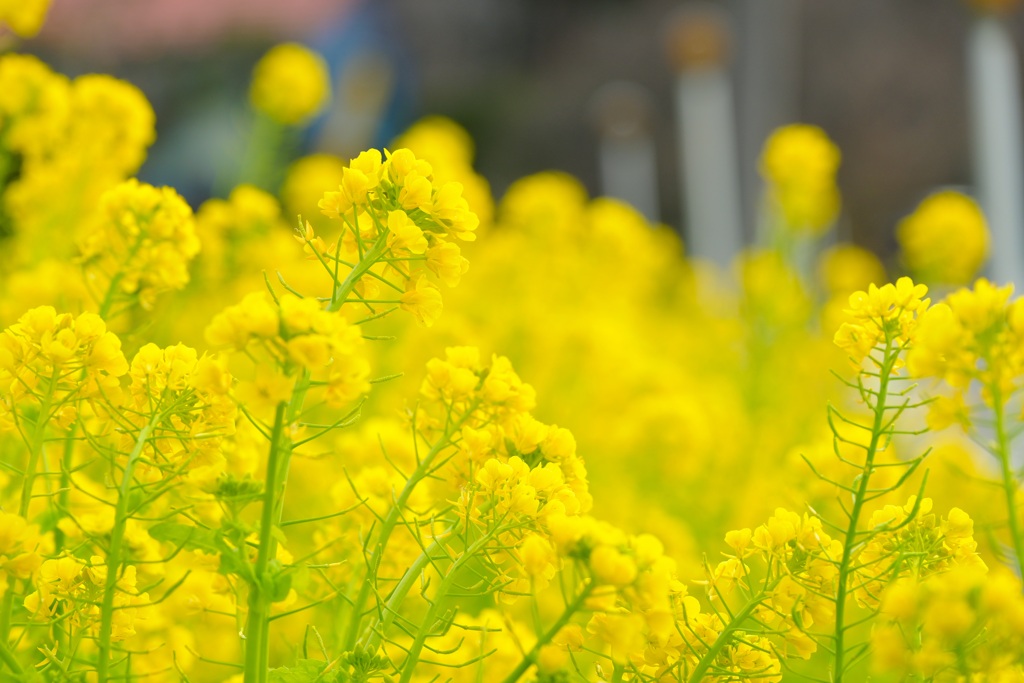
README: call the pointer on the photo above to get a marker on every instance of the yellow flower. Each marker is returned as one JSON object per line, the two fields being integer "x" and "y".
{"x": 265, "y": 392}
{"x": 405, "y": 234}
{"x": 25, "y": 17}
{"x": 447, "y": 262}
{"x": 946, "y": 239}
{"x": 423, "y": 299}
{"x": 290, "y": 84}
{"x": 611, "y": 566}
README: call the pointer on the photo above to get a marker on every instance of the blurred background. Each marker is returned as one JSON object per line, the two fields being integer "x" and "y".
{"x": 530, "y": 81}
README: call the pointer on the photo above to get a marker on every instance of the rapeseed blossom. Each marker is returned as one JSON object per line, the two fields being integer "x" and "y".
{"x": 290, "y": 84}
{"x": 945, "y": 240}
{"x": 799, "y": 163}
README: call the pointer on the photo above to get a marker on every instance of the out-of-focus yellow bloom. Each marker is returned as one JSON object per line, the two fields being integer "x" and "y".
{"x": 34, "y": 107}
{"x": 291, "y": 84}
{"x": 846, "y": 268}
{"x": 961, "y": 623}
{"x": 799, "y": 163}
{"x": 140, "y": 245}
{"x": 945, "y": 240}
{"x": 973, "y": 335}
{"x": 25, "y": 17}
{"x": 305, "y": 184}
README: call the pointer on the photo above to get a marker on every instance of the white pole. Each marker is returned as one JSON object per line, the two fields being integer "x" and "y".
{"x": 995, "y": 104}
{"x": 706, "y": 123}
{"x": 626, "y": 151}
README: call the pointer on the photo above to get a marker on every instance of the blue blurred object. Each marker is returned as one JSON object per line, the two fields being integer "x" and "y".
{"x": 373, "y": 81}
{"x": 207, "y": 124}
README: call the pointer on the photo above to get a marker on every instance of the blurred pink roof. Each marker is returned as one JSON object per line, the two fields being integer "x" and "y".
{"x": 118, "y": 28}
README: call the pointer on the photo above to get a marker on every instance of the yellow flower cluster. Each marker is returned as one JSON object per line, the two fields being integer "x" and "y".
{"x": 909, "y": 540}
{"x": 799, "y": 163}
{"x": 800, "y": 567}
{"x": 190, "y": 396}
{"x": 290, "y": 84}
{"x": 139, "y": 246}
{"x": 945, "y": 240}
{"x": 75, "y": 139}
{"x": 886, "y": 316}
{"x": 393, "y": 211}
{"x": 963, "y": 625}
{"x": 294, "y": 333}
{"x": 35, "y": 107}
{"x": 71, "y": 587}
{"x": 52, "y": 361}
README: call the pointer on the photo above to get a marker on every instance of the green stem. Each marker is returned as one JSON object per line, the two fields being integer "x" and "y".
{"x": 8, "y": 658}
{"x": 388, "y": 526}
{"x": 114, "y": 552}
{"x": 36, "y": 445}
{"x": 531, "y": 657}
{"x": 850, "y": 540}
{"x": 397, "y": 597}
{"x": 437, "y": 604}
{"x": 35, "y": 453}
{"x": 724, "y": 638}
{"x": 257, "y": 650}
{"x": 343, "y": 289}
{"x": 1010, "y": 484}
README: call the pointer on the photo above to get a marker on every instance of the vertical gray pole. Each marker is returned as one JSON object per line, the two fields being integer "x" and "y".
{"x": 767, "y": 87}
{"x": 626, "y": 153}
{"x": 706, "y": 124}
{"x": 995, "y": 105}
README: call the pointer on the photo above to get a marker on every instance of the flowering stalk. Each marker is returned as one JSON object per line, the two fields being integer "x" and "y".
{"x": 880, "y": 322}
{"x": 726, "y": 637}
{"x": 470, "y": 554}
{"x": 257, "y": 650}
{"x": 114, "y": 559}
{"x": 422, "y": 471}
{"x": 852, "y": 538}
{"x": 570, "y": 610}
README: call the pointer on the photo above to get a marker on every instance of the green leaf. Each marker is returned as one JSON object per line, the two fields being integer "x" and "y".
{"x": 302, "y": 671}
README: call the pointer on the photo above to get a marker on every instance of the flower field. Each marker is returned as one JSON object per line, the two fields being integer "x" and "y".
{"x": 376, "y": 424}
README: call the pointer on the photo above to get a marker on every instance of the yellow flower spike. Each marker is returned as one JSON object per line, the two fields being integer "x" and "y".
{"x": 290, "y": 84}
{"x": 880, "y": 315}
